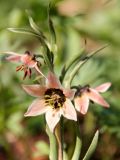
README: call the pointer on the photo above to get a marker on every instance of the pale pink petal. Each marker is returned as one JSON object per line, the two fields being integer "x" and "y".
{"x": 82, "y": 104}
{"x": 27, "y": 60}
{"x": 38, "y": 70}
{"x": 38, "y": 107}
{"x": 69, "y": 93}
{"x": 14, "y": 58}
{"x": 52, "y": 118}
{"x": 103, "y": 87}
{"x": 69, "y": 110}
{"x": 96, "y": 97}
{"x": 34, "y": 90}
{"x": 52, "y": 81}
{"x": 11, "y": 53}
{"x": 32, "y": 64}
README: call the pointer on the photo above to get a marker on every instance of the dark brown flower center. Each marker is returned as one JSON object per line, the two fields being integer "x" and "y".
{"x": 54, "y": 98}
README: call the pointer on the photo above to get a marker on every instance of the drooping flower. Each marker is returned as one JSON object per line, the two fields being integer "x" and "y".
{"x": 85, "y": 94}
{"x": 53, "y": 100}
{"x": 28, "y": 62}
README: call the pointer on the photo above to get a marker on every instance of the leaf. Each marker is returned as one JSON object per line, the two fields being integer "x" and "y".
{"x": 92, "y": 147}
{"x": 34, "y": 26}
{"x": 24, "y": 31}
{"x": 80, "y": 64}
{"x": 52, "y": 31}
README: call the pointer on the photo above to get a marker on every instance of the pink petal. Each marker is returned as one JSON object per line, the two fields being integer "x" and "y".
{"x": 52, "y": 118}
{"x": 11, "y": 53}
{"x": 81, "y": 104}
{"x": 32, "y": 64}
{"x": 14, "y": 58}
{"x": 38, "y": 70}
{"x": 103, "y": 87}
{"x": 69, "y": 110}
{"x": 34, "y": 90}
{"x": 52, "y": 81}
{"x": 36, "y": 108}
{"x": 96, "y": 97}
{"x": 69, "y": 93}
{"x": 27, "y": 60}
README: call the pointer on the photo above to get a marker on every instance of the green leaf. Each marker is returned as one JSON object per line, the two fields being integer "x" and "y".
{"x": 24, "y": 31}
{"x": 78, "y": 145}
{"x": 52, "y": 32}
{"x": 80, "y": 64}
{"x": 34, "y": 26}
{"x": 92, "y": 147}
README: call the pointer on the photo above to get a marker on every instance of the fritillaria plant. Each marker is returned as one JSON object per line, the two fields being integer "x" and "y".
{"x": 56, "y": 98}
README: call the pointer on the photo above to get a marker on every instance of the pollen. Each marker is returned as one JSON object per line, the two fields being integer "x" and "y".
{"x": 54, "y": 98}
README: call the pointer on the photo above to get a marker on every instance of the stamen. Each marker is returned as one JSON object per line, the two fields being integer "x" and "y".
{"x": 54, "y": 98}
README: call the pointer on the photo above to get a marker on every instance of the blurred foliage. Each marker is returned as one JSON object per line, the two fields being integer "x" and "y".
{"x": 79, "y": 24}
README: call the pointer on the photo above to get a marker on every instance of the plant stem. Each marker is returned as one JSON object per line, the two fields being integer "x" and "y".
{"x": 59, "y": 140}
{"x": 78, "y": 145}
{"x": 53, "y": 145}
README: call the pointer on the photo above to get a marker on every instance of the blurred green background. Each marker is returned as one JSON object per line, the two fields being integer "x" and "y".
{"x": 78, "y": 24}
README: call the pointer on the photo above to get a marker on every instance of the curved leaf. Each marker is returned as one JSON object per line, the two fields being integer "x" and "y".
{"x": 92, "y": 147}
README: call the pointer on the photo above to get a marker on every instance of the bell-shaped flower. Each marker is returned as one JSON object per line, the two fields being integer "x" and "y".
{"x": 52, "y": 99}
{"x": 86, "y": 94}
{"x": 27, "y": 61}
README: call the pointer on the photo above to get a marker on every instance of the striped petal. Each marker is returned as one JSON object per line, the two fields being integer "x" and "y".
{"x": 14, "y": 58}
{"x": 82, "y": 104}
{"x": 52, "y": 118}
{"x": 52, "y": 81}
{"x": 38, "y": 107}
{"x": 34, "y": 90}
{"x": 96, "y": 97}
{"x": 69, "y": 110}
{"x": 103, "y": 87}
{"x": 69, "y": 93}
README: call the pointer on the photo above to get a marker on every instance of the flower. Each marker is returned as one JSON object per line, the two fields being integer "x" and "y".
{"x": 85, "y": 94}
{"x": 53, "y": 100}
{"x": 28, "y": 62}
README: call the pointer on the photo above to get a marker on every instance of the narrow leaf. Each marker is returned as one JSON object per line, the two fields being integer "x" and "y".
{"x": 78, "y": 145}
{"x": 35, "y": 27}
{"x": 81, "y": 63}
{"x": 52, "y": 31}
{"x": 23, "y": 31}
{"x": 92, "y": 147}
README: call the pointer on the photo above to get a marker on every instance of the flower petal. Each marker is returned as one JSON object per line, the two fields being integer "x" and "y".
{"x": 96, "y": 97}
{"x": 81, "y": 104}
{"x": 52, "y": 81}
{"x": 38, "y": 70}
{"x": 36, "y": 108}
{"x": 103, "y": 87}
{"x": 69, "y": 110}
{"x": 14, "y": 58}
{"x": 69, "y": 93}
{"x": 52, "y": 118}
{"x": 34, "y": 90}
{"x": 27, "y": 60}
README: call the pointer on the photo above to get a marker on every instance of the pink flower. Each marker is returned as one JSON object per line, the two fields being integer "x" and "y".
{"x": 28, "y": 62}
{"x": 85, "y": 94}
{"x": 53, "y": 100}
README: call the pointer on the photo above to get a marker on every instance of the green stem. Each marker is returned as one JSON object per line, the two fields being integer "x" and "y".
{"x": 53, "y": 145}
{"x": 59, "y": 140}
{"x": 78, "y": 145}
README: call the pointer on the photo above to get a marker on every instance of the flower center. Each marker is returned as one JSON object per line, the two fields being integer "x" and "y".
{"x": 54, "y": 98}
